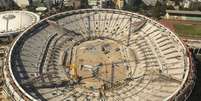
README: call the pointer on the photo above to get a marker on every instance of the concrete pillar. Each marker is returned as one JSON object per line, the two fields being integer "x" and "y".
{"x": 10, "y": 38}
{"x": 198, "y": 53}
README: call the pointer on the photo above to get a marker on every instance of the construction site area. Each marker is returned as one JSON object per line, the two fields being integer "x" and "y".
{"x": 97, "y": 55}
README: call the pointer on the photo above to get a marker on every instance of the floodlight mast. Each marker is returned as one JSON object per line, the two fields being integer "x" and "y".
{"x": 7, "y": 18}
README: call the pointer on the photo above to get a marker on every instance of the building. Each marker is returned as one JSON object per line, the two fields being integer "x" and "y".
{"x": 107, "y": 4}
{"x": 6, "y": 4}
{"x": 76, "y": 4}
{"x": 131, "y": 2}
{"x": 52, "y": 5}
{"x": 186, "y": 3}
{"x": 72, "y": 3}
{"x": 92, "y": 2}
{"x": 119, "y": 4}
{"x": 14, "y": 22}
{"x": 183, "y": 15}
{"x": 95, "y": 3}
{"x": 22, "y": 3}
{"x": 100, "y": 4}
{"x": 150, "y": 2}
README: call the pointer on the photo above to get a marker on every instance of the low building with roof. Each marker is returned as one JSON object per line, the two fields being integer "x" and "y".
{"x": 22, "y": 3}
{"x": 183, "y": 15}
{"x": 119, "y": 3}
{"x": 150, "y": 2}
{"x": 95, "y": 3}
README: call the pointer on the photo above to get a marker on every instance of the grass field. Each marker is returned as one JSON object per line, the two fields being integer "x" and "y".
{"x": 188, "y": 30}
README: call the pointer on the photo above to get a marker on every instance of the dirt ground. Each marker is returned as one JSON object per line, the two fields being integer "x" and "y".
{"x": 102, "y": 55}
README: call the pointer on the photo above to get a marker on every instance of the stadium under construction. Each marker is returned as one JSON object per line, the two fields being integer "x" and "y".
{"x": 98, "y": 55}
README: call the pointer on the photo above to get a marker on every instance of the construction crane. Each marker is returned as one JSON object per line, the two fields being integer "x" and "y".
{"x": 74, "y": 75}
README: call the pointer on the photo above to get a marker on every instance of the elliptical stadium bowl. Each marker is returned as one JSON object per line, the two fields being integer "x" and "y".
{"x": 95, "y": 55}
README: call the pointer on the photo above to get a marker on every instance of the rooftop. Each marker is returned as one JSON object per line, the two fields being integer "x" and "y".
{"x": 16, "y": 21}
{"x": 184, "y": 12}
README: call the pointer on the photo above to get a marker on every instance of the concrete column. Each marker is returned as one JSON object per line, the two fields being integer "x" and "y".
{"x": 10, "y": 38}
{"x": 198, "y": 53}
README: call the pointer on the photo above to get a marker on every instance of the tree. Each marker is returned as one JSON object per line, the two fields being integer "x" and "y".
{"x": 158, "y": 10}
{"x": 84, "y": 4}
{"x": 134, "y": 5}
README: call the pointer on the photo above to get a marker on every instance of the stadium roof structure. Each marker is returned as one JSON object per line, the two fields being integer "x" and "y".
{"x": 13, "y": 22}
{"x": 99, "y": 54}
